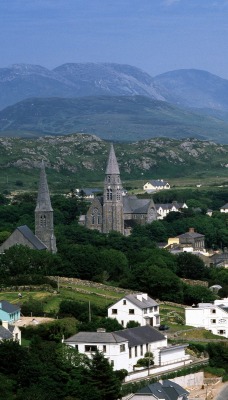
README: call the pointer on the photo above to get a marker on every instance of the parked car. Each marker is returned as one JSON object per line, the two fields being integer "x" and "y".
{"x": 163, "y": 327}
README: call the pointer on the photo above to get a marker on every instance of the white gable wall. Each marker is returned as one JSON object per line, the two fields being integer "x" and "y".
{"x": 210, "y": 317}
{"x": 125, "y": 311}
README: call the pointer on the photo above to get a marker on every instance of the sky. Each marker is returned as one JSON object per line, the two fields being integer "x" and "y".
{"x": 154, "y": 35}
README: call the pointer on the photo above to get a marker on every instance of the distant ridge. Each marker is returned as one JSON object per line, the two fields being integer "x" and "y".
{"x": 118, "y": 118}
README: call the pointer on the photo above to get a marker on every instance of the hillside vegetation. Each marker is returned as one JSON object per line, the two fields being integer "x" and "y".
{"x": 80, "y": 160}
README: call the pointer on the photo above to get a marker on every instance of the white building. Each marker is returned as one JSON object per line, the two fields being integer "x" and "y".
{"x": 10, "y": 332}
{"x": 125, "y": 347}
{"x": 164, "y": 209}
{"x": 135, "y": 307}
{"x": 154, "y": 185}
{"x": 224, "y": 208}
{"x": 213, "y": 317}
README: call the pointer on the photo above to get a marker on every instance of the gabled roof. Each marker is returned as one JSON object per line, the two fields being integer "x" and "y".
{"x": 137, "y": 206}
{"x": 5, "y": 334}
{"x": 33, "y": 239}
{"x": 158, "y": 182}
{"x": 141, "y": 335}
{"x": 96, "y": 337}
{"x": 145, "y": 303}
{"x": 8, "y": 307}
{"x": 224, "y": 207}
{"x": 167, "y": 390}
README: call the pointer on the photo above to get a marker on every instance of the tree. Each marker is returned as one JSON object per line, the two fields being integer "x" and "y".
{"x": 106, "y": 381}
{"x": 190, "y": 266}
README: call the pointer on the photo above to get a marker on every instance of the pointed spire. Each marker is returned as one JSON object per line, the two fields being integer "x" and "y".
{"x": 43, "y": 199}
{"x": 112, "y": 166}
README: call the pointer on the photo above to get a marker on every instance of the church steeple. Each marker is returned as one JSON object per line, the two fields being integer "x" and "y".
{"x": 44, "y": 226}
{"x": 113, "y": 219}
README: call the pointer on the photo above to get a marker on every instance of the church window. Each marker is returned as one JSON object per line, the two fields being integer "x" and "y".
{"x": 118, "y": 194}
{"x": 109, "y": 194}
{"x": 96, "y": 217}
{"x": 43, "y": 221}
{"x": 108, "y": 178}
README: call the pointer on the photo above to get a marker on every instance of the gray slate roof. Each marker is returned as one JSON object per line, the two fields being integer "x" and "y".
{"x": 224, "y": 207}
{"x": 191, "y": 235}
{"x": 8, "y": 307}
{"x": 5, "y": 334}
{"x": 134, "y": 205}
{"x": 168, "y": 390}
{"x": 141, "y": 304}
{"x": 141, "y": 335}
{"x": 33, "y": 239}
{"x": 96, "y": 337}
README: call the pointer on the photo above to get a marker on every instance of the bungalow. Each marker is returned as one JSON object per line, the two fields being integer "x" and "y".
{"x": 211, "y": 316}
{"x": 138, "y": 307}
{"x": 196, "y": 240}
{"x": 9, "y": 312}
{"x": 224, "y": 208}
{"x": 125, "y": 347}
{"x": 9, "y": 332}
{"x": 154, "y": 185}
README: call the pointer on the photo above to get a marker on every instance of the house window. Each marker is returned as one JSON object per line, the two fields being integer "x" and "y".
{"x": 151, "y": 309}
{"x": 141, "y": 350}
{"x": 89, "y": 348}
{"x": 213, "y": 321}
{"x": 130, "y": 352}
{"x": 124, "y": 302}
{"x": 76, "y": 347}
{"x": 104, "y": 349}
{"x": 155, "y": 308}
{"x": 16, "y": 336}
{"x": 221, "y": 332}
{"x": 122, "y": 322}
{"x": 136, "y": 351}
{"x": 114, "y": 311}
{"x": 145, "y": 311}
{"x": 147, "y": 348}
{"x": 131, "y": 311}
{"x": 122, "y": 348}
{"x": 112, "y": 363}
{"x": 213, "y": 311}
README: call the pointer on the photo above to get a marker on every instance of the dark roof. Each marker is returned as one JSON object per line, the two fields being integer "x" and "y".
{"x": 43, "y": 202}
{"x": 5, "y": 333}
{"x": 8, "y": 307}
{"x": 190, "y": 235}
{"x": 96, "y": 337}
{"x": 167, "y": 390}
{"x": 112, "y": 165}
{"x": 141, "y": 335}
{"x": 33, "y": 239}
{"x": 137, "y": 206}
{"x": 158, "y": 182}
{"x": 141, "y": 304}
{"x": 224, "y": 207}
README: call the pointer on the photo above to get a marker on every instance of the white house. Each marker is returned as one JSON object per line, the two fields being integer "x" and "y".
{"x": 135, "y": 307}
{"x": 164, "y": 209}
{"x": 224, "y": 208}
{"x": 125, "y": 347}
{"x": 9, "y": 332}
{"x": 154, "y": 185}
{"x": 213, "y": 317}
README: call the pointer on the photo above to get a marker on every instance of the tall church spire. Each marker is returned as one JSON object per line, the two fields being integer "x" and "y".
{"x": 113, "y": 219}
{"x": 44, "y": 226}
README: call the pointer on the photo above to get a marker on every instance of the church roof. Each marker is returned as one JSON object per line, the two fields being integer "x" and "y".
{"x": 33, "y": 239}
{"x": 112, "y": 166}
{"x": 43, "y": 199}
{"x": 134, "y": 205}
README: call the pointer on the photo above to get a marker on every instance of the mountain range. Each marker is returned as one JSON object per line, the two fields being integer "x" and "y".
{"x": 113, "y": 101}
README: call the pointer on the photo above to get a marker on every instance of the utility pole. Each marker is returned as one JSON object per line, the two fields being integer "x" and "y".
{"x": 89, "y": 312}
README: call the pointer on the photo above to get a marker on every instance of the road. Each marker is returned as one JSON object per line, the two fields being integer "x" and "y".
{"x": 223, "y": 394}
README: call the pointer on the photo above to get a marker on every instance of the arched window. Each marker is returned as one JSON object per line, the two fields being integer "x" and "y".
{"x": 108, "y": 178}
{"x": 109, "y": 194}
{"x": 118, "y": 194}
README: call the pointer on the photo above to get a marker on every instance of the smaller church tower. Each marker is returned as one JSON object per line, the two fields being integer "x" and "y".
{"x": 44, "y": 226}
{"x": 113, "y": 218}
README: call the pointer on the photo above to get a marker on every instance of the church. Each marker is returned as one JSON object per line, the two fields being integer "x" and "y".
{"x": 114, "y": 211}
{"x": 44, "y": 238}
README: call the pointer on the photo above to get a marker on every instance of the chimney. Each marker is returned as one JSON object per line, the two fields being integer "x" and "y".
{"x": 191, "y": 230}
{"x": 101, "y": 330}
{"x": 145, "y": 296}
{"x": 5, "y": 324}
{"x": 139, "y": 297}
